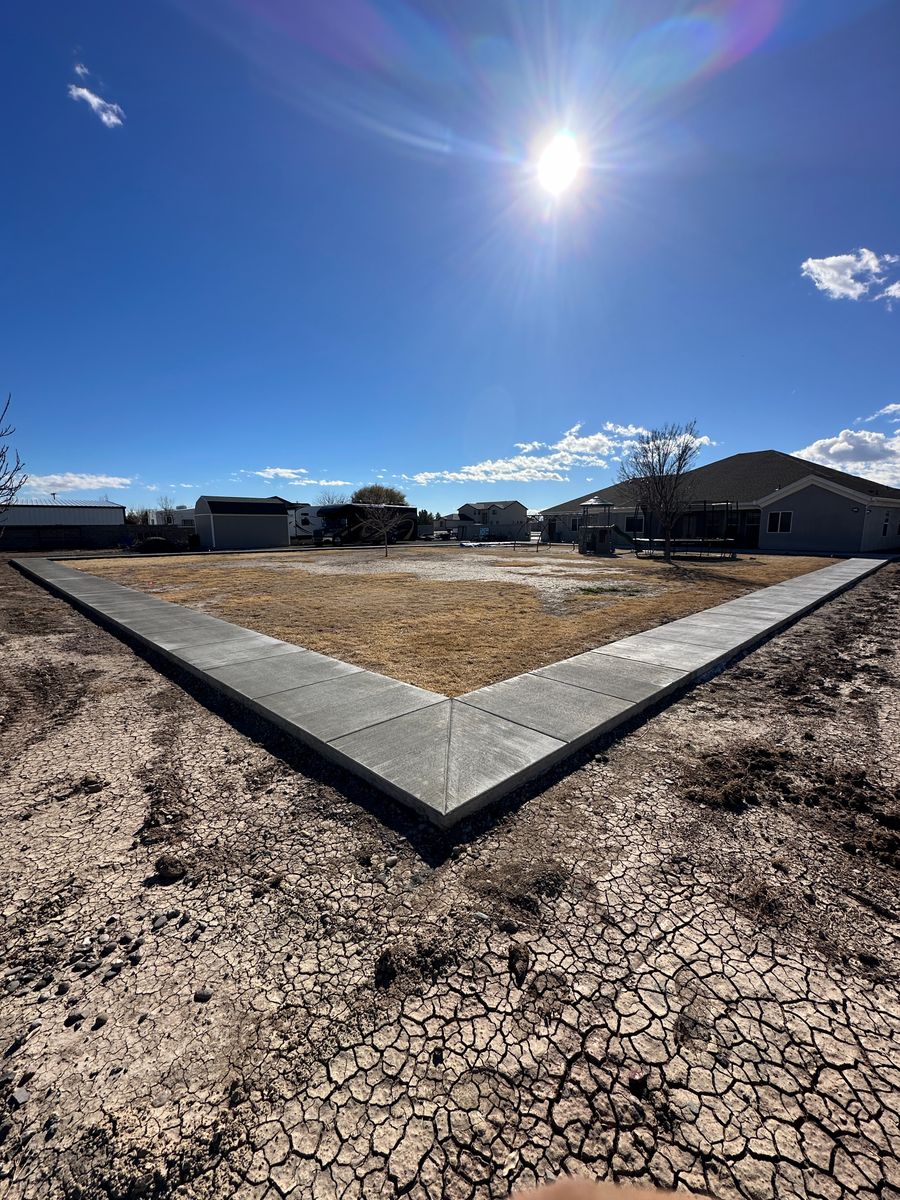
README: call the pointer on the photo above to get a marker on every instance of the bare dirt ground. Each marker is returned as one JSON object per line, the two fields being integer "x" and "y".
{"x": 447, "y": 619}
{"x": 230, "y": 970}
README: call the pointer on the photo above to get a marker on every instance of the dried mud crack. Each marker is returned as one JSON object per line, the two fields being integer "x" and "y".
{"x": 229, "y": 970}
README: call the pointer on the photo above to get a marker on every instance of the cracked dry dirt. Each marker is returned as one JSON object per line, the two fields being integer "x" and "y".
{"x": 675, "y": 963}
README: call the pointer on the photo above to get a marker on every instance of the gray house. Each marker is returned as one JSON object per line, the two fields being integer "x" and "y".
{"x": 493, "y": 521}
{"x": 763, "y": 499}
{"x": 242, "y": 522}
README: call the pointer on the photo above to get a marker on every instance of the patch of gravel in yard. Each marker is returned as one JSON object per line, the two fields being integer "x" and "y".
{"x": 229, "y": 970}
{"x": 551, "y": 578}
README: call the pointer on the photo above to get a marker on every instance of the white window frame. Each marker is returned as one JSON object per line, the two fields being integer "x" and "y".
{"x": 780, "y": 513}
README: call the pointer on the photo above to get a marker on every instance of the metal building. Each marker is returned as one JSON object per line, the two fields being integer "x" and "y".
{"x": 242, "y": 522}
{"x": 45, "y": 523}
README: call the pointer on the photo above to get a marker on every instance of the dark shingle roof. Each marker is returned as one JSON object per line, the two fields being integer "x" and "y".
{"x": 494, "y": 503}
{"x": 260, "y": 505}
{"x": 743, "y": 478}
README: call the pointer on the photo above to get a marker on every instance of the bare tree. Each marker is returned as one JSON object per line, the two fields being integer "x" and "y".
{"x": 166, "y": 506}
{"x": 382, "y": 520}
{"x": 137, "y": 516}
{"x": 327, "y": 497}
{"x": 655, "y": 474}
{"x": 12, "y": 469}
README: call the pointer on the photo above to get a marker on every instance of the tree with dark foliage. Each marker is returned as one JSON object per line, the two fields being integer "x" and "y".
{"x": 378, "y": 493}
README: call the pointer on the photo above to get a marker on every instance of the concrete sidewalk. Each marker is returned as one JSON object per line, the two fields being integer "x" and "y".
{"x": 447, "y": 757}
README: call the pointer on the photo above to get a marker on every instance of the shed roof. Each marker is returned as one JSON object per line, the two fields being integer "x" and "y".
{"x": 743, "y": 478}
{"x": 243, "y": 505}
{"x": 52, "y": 502}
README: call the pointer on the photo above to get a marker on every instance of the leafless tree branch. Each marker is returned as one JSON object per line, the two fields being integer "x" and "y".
{"x": 655, "y": 473}
{"x": 12, "y": 469}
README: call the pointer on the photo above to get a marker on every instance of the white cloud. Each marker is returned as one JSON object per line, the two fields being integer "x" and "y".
{"x": 574, "y": 451}
{"x": 76, "y": 481}
{"x": 889, "y": 410}
{"x": 81, "y": 70}
{"x": 852, "y": 276}
{"x": 110, "y": 114}
{"x": 859, "y": 452}
{"x": 297, "y": 475}
{"x": 624, "y": 430}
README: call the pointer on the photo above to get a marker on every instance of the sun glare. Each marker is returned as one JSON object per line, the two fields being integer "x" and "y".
{"x": 559, "y": 163}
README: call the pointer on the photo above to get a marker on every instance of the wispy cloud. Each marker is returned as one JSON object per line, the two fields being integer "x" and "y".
{"x": 572, "y": 452}
{"x": 81, "y": 70}
{"x": 854, "y": 276}
{"x": 110, "y": 114}
{"x": 76, "y": 481}
{"x": 860, "y": 452}
{"x": 890, "y": 410}
{"x": 298, "y": 475}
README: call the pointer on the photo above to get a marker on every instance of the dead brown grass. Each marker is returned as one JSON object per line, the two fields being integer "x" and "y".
{"x": 450, "y": 637}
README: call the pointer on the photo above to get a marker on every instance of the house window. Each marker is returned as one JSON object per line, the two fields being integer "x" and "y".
{"x": 573, "y": 524}
{"x": 884, "y": 528}
{"x": 780, "y": 522}
{"x": 634, "y": 524}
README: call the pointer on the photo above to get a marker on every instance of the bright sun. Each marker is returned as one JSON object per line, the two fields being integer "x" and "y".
{"x": 559, "y": 164}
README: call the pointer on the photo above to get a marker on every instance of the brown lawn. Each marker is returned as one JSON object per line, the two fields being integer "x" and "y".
{"x": 446, "y": 618}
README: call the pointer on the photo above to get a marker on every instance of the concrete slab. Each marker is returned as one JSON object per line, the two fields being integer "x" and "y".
{"x": 562, "y": 711}
{"x": 210, "y": 655}
{"x": 405, "y": 757}
{"x": 293, "y": 667}
{"x": 489, "y": 756}
{"x": 355, "y": 700}
{"x": 708, "y": 636}
{"x": 626, "y": 678}
{"x": 679, "y": 655}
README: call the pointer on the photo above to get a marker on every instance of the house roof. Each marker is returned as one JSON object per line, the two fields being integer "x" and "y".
{"x": 493, "y": 503}
{"x": 743, "y": 478}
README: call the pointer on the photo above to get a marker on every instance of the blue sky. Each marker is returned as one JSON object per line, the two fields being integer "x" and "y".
{"x": 260, "y": 246}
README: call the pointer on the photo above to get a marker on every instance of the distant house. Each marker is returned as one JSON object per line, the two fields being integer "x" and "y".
{"x": 447, "y": 524}
{"x": 242, "y": 522}
{"x": 45, "y": 523}
{"x": 762, "y": 499}
{"x": 181, "y": 515}
{"x": 493, "y": 521}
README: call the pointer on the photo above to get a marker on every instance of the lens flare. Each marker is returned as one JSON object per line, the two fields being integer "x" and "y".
{"x": 558, "y": 165}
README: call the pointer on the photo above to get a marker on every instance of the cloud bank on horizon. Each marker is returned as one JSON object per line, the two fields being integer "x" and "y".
{"x": 573, "y": 451}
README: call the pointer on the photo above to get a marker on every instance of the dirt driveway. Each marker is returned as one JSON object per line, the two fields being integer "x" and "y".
{"x": 230, "y": 970}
